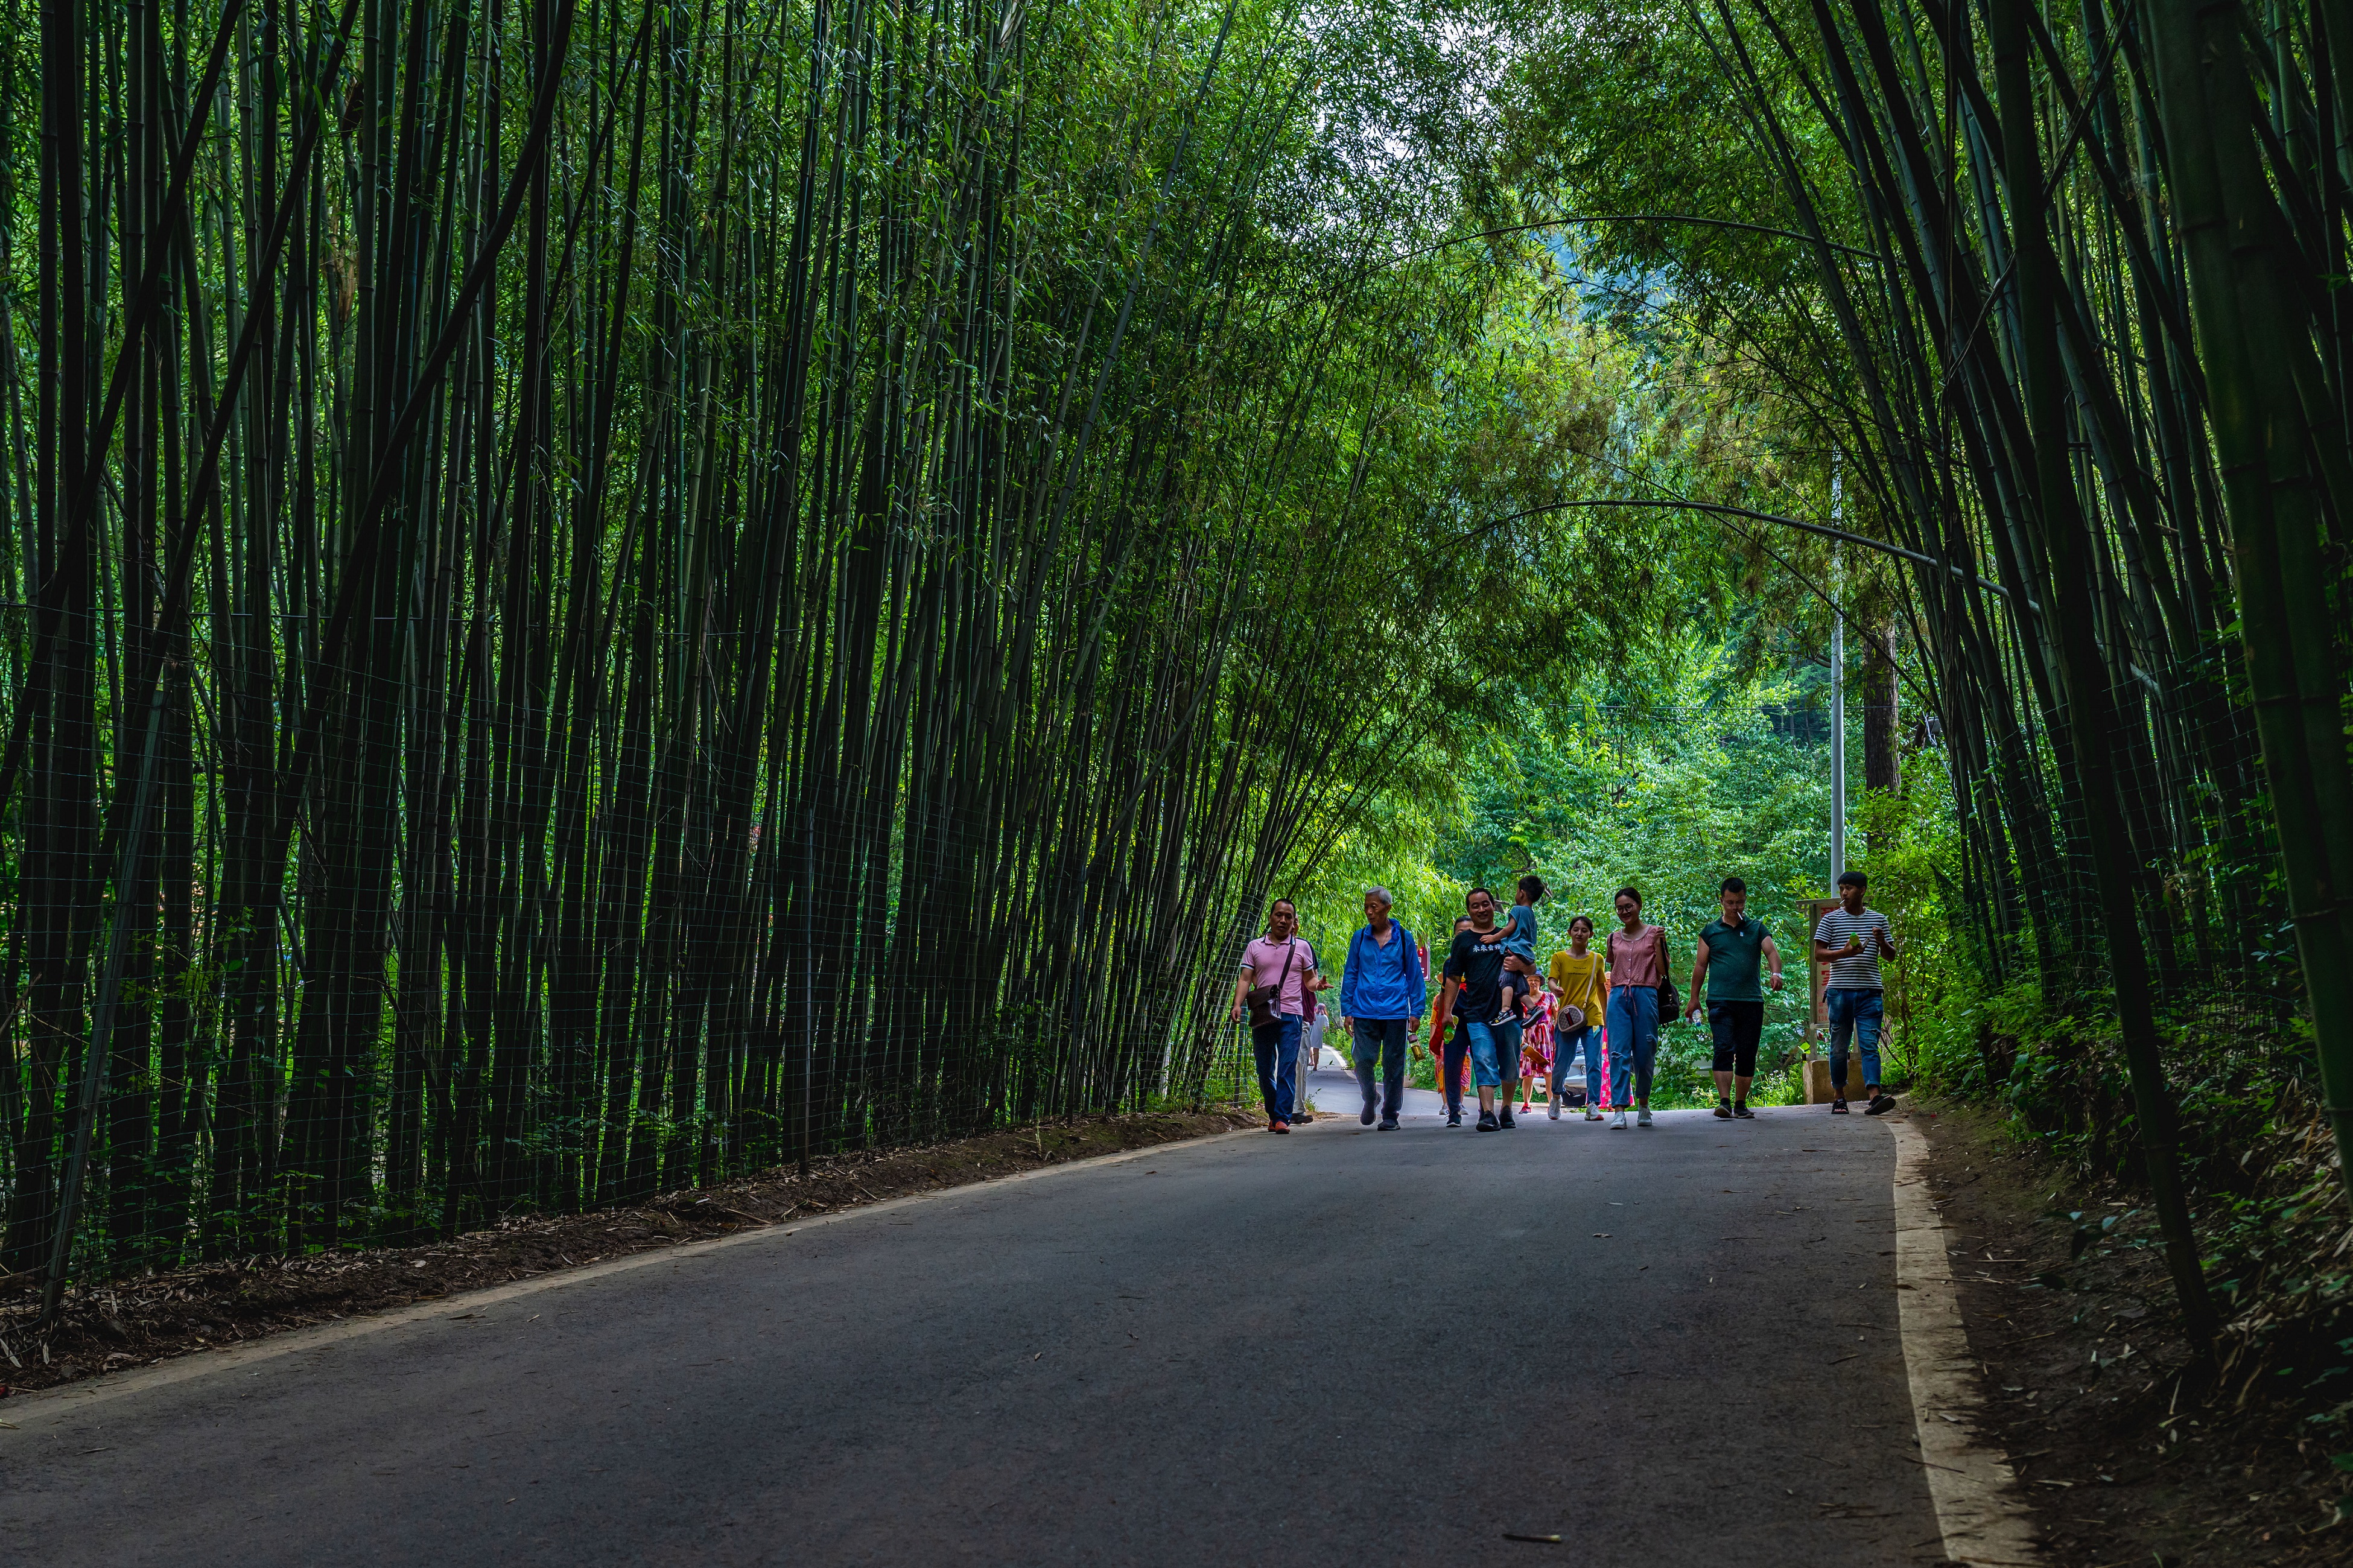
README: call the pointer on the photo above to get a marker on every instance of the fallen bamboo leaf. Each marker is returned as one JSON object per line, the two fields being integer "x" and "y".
{"x": 1538, "y": 1540}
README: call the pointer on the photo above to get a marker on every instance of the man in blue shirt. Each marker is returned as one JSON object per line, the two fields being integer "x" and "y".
{"x": 1382, "y": 993}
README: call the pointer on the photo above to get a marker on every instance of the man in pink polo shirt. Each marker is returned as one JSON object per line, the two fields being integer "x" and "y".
{"x": 1280, "y": 958}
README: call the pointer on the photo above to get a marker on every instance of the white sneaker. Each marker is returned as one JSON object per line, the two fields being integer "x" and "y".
{"x": 1643, "y": 1118}
{"x": 1618, "y": 1124}
{"x": 1592, "y": 1115}
{"x": 1552, "y": 1111}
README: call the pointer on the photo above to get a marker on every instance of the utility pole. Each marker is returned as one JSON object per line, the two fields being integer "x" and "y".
{"x": 1838, "y": 748}
{"x": 1838, "y": 691}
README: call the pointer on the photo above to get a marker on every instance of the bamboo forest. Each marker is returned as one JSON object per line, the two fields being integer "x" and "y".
{"x": 602, "y": 596}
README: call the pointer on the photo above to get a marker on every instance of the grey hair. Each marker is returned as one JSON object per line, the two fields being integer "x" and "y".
{"x": 1377, "y": 891}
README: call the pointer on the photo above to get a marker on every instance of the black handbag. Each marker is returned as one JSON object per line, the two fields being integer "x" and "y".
{"x": 1266, "y": 1001}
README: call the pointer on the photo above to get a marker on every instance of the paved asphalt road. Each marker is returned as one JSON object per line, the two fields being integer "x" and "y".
{"x": 1342, "y": 1346}
{"x": 1332, "y": 1092}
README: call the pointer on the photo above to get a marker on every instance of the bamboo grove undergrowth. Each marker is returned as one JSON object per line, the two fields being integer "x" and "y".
{"x": 603, "y": 592}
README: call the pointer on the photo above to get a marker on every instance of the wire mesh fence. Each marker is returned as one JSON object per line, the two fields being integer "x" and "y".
{"x": 591, "y": 609}
{"x": 586, "y": 609}
{"x": 650, "y": 1011}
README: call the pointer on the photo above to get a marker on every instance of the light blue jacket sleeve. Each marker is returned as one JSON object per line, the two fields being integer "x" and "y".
{"x": 1348, "y": 976}
{"x": 1417, "y": 982}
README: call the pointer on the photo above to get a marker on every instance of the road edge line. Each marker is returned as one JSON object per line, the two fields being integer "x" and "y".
{"x": 73, "y": 1398}
{"x": 1979, "y": 1511}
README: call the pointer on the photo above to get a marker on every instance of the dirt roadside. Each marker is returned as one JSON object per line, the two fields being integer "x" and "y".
{"x": 2085, "y": 1374}
{"x": 141, "y": 1321}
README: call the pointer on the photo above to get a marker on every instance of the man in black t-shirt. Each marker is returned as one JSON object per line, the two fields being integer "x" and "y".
{"x": 1474, "y": 973}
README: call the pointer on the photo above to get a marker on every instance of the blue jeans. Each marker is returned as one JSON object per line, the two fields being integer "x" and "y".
{"x": 1380, "y": 1042}
{"x": 1485, "y": 1038}
{"x": 1276, "y": 1046}
{"x": 1567, "y": 1043}
{"x": 1857, "y": 1012}
{"x": 1633, "y": 1041}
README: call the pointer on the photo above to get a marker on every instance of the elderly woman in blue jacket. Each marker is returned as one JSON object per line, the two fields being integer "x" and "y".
{"x": 1383, "y": 995}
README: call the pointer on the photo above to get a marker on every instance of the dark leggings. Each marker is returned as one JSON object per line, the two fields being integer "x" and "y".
{"x": 1458, "y": 1046}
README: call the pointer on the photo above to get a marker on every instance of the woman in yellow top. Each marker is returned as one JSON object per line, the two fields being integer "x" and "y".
{"x": 1577, "y": 979}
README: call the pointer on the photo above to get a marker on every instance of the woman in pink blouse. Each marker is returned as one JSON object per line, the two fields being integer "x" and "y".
{"x": 1638, "y": 961}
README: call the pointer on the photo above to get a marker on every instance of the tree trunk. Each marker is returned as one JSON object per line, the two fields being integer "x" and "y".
{"x": 1880, "y": 769}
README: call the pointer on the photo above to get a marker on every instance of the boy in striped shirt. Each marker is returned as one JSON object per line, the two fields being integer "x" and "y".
{"x": 1852, "y": 940}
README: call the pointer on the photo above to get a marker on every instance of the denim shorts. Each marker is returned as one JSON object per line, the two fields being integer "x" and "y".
{"x": 1487, "y": 1046}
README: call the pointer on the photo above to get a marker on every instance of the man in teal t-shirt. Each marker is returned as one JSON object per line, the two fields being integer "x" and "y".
{"x": 1731, "y": 950}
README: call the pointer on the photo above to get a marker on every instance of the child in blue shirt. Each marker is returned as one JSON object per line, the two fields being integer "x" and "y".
{"x": 1520, "y": 943}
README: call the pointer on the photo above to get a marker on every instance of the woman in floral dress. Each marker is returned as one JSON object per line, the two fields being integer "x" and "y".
{"x": 1536, "y": 1047}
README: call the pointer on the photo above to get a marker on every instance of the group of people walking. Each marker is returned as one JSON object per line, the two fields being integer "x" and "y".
{"x": 1598, "y": 1004}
